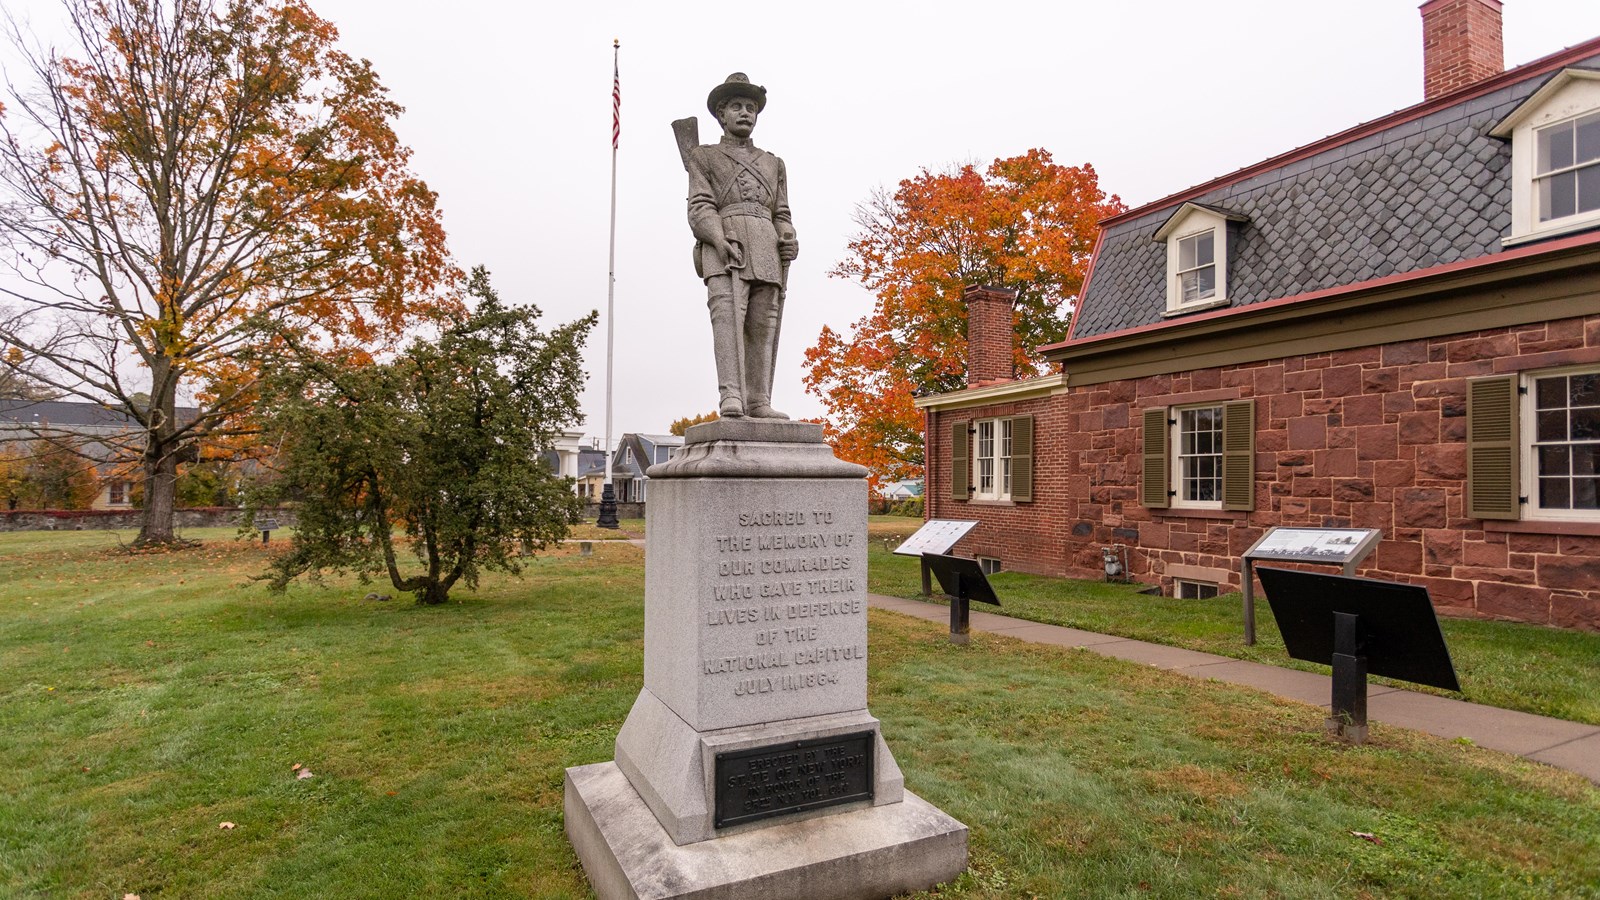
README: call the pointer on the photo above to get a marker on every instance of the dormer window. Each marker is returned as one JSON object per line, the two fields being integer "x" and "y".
{"x": 1197, "y": 267}
{"x": 1555, "y": 158}
{"x": 1567, "y": 170}
{"x": 1197, "y": 257}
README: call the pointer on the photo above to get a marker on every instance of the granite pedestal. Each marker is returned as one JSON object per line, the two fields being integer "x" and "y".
{"x": 749, "y": 765}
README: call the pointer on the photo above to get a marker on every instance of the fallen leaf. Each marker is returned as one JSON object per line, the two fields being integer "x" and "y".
{"x": 130, "y": 897}
{"x": 1368, "y": 836}
{"x": 303, "y": 774}
{"x": 295, "y": 767}
{"x": 227, "y": 826}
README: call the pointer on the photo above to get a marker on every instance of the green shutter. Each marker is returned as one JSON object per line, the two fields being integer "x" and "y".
{"x": 1239, "y": 455}
{"x": 1493, "y": 453}
{"x": 960, "y": 461}
{"x": 1157, "y": 471}
{"x": 1022, "y": 458}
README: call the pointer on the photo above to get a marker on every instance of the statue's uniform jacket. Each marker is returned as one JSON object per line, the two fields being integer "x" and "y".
{"x": 741, "y": 191}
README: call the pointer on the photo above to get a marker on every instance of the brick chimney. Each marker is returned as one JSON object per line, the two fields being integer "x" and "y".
{"x": 1460, "y": 44}
{"x": 989, "y": 330}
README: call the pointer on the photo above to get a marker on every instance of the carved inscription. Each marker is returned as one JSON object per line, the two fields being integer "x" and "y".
{"x": 787, "y": 604}
{"x": 792, "y": 777}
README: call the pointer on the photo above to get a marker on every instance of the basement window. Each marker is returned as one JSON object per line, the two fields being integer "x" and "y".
{"x": 1184, "y": 589}
{"x": 989, "y": 564}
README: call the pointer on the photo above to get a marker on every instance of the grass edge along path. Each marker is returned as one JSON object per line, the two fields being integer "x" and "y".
{"x": 1530, "y": 668}
{"x": 153, "y": 698}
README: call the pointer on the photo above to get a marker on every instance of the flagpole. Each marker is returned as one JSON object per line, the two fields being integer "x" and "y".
{"x": 608, "y": 493}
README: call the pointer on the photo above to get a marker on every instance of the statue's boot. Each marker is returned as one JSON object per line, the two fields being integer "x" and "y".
{"x": 762, "y": 321}
{"x": 725, "y": 346}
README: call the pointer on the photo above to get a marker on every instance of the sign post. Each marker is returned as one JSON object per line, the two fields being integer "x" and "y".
{"x": 1343, "y": 547}
{"x": 962, "y": 581}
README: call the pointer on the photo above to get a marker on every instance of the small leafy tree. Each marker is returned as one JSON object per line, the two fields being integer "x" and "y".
{"x": 57, "y": 477}
{"x": 442, "y": 443}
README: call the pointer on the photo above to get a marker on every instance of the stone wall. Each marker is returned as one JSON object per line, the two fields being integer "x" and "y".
{"x": 1373, "y": 437}
{"x": 123, "y": 519}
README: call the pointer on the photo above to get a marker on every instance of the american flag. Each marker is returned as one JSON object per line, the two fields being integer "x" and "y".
{"x": 616, "y": 96}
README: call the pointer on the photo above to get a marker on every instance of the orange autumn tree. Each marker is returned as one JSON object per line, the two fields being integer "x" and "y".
{"x": 1024, "y": 223}
{"x": 190, "y": 178}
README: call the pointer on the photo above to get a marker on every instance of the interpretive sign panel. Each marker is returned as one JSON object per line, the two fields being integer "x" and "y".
{"x": 935, "y": 536}
{"x": 792, "y": 777}
{"x": 1398, "y": 631}
{"x": 1336, "y": 546}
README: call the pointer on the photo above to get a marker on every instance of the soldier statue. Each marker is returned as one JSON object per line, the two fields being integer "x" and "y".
{"x": 739, "y": 213}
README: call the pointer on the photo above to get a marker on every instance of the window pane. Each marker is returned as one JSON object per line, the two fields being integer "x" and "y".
{"x": 1553, "y": 493}
{"x": 1586, "y": 424}
{"x": 1589, "y": 137}
{"x": 1201, "y": 284}
{"x": 1586, "y": 493}
{"x": 1550, "y": 393}
{"x": 1555, "y": 148}
{"x": 1553, "y": 426}
{"x": 1557, "y": 196}
{"x": 1554, "y": 460}
{"x": 1589, "y": 188}
{"x": 1586, "y": 459}
{"x": 1586, "y": 390}
{"x": 1204, "y": 251}
{"x": 1186, "y": 253}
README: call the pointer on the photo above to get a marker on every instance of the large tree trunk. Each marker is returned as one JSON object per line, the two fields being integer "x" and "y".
{"x": 160, "y": 459}
{"x": 160, "y": 483}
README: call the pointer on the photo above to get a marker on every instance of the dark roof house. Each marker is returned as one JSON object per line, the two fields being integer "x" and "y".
{"x": 1395, "y": 327}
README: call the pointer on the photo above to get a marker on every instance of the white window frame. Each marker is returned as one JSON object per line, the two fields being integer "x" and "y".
{"x": 1529, "y": 429}
{"x": 1190, "y": 222}
{"x": 1195, "y": 267}
{"x": 993, "y": 449}
{"x": 1569, "y": 96}
{"x": 1196, "y": 587}
{"x": 1179, "y": 457}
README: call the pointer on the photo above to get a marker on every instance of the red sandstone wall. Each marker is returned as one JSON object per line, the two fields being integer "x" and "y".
{"x": 1371, "y": 437}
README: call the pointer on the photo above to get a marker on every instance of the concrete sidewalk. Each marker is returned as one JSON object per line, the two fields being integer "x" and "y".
{"x": 1557, "y": 742}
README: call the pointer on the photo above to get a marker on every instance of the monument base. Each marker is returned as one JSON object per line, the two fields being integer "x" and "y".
{"x": 872, "y": 852}
{"x": 671, "y": 764}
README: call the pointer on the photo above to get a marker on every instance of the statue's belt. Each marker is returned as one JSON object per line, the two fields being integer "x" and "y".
{"x": 759, "y": 210}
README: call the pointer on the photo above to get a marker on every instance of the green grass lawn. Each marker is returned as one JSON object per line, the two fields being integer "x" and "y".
{"x": 1549, "y": 671}
{"x": 150, "y": 698}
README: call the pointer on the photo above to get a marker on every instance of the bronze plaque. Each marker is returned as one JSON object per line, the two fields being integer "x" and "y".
{"x": 792, "y": 777}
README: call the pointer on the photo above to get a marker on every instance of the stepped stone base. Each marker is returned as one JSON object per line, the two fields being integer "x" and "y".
{"x": 873, "y": 852}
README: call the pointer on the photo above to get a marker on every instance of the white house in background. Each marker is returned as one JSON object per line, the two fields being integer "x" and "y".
{"x": 910, "y": 489}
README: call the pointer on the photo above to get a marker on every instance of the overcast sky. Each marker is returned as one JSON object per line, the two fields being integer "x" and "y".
{"x": 508, "y": 108}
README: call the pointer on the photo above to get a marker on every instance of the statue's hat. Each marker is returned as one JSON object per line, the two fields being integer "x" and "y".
{"x": 737, "y": 85}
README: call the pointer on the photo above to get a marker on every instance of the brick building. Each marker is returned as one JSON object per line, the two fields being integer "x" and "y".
{"x": 1397, "y": 327}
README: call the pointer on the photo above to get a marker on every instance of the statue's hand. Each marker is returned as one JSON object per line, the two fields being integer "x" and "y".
{"x": 788, "y": 246}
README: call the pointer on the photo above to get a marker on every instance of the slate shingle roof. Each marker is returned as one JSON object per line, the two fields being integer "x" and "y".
{"x": 72, "y": 414}
{"x": 1424, "y": 192}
